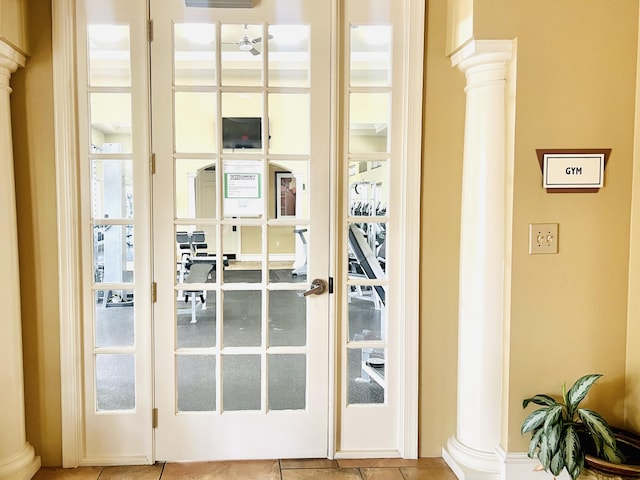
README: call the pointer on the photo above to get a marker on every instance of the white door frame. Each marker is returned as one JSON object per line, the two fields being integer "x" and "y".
{"x": 68, "y": 213}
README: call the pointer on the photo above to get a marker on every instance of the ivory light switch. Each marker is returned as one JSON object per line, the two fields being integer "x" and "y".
{"x": 543, "y": 238}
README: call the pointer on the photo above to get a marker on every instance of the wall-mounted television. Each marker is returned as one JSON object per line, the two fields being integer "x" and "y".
{"x": 242, "y": 132}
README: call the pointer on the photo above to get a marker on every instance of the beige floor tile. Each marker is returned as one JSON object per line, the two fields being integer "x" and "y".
{"x": 138, "y": 472}
{"x": 321, "y": 474}
{"x": 248, "y": 470}
{"x": 308, "y": 463}
{"x": 381, "y": 474}
{"x": 427, "y": 473}
{"x": 80, "y": 473}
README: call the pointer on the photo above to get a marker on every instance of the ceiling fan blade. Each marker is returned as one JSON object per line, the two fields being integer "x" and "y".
{"x": 259, "y": 39}
{"x": 254, "y": 51}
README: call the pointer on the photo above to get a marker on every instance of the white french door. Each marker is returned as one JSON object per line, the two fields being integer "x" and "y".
{"x": 285, "y": 147}
{"x": 241, "y": 136}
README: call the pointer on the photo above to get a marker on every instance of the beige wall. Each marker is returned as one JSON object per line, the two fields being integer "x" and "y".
{"x": 440, "y": 230}
{"x": 32, "y": 111}
{"x": 576, "y": 74}
{"x": 575, "y": 88}
{"x": 13, "y": 23}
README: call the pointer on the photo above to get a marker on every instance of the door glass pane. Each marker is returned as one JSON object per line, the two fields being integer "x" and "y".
{"x": 241, "y": 54}
{"x": 110, "y": 122}
{"x": 195, "y": 122}
{"x": 242, "y": 320}
{"x": 114, "y": 318}
{"x": 194, "y": 54}
{"x": 115, "y": 382}
{"x": 196, "y": 319}
{"x": 367, "y": 315}
{"x": 289, "y": 123}
{"x": 289, "y": 56}
{"x": 195, "y": 247}
{"x": 242, "y": 188}
{"x": 287, "y": 381}
{"x": 109, "y": 57}
{"x": 287, "y": 318}
{"x": 241, "y": 382}
{"x": 196, "y": 383}
{"x": 368, "y": 188}
{"x": 195, "y": 188}
{"x": 366, "y": 382}
{"x": 369, "y": 122}
{"x": 113, "y": 253}
{"x": 367, "y": 252}
{"x": 111, "y": 188}
{"x": 247, "y": 265}
{"x": 287, "y": 253}
{"x": 242, "y": 122}
{"x": 290, "y": 194}
{"x": 370, "y": 64}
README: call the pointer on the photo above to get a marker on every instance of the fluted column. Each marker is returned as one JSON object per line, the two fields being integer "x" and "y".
{"x": 472, "y": 450}
{"x": 17, "y": 457}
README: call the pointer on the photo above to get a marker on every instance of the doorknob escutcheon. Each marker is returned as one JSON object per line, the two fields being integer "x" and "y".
{"x": 318, "y": 287}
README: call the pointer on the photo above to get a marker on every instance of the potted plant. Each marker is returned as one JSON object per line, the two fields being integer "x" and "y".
{"x": 562, "y": 433}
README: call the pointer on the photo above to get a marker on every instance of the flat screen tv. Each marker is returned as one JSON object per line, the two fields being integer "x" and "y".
{"x": 242, "y": 132}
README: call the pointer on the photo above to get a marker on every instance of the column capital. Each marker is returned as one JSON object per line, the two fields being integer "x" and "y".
{"x": 10, "y": 60}
{"x": 483, "y": 61}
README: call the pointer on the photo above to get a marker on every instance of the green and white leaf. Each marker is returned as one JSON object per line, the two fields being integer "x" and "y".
{"x": 612, "y": 454}
{"x": 573, "y": 454}
{"x": 557, "y": 463}
{"x": 534, "y": 420}
{"x": 553, "y": 426}
{"x": 534, "y": 443}
{"x": 579, "y": 390}
{"x": 597, "y": 426}
{"x": 544, "y": 454}
{"x": 540, "y": 399}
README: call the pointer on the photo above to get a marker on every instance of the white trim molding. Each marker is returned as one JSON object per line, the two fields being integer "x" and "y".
{"x": 66, "y": 155}
{"x": 518, "y": 466}
{"x": 411, "y": 221}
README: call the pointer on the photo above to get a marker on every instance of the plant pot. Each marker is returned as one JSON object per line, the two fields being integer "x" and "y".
{"x": 629, "y": 445}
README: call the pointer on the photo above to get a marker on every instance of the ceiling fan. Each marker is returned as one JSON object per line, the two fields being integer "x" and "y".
{"x": 247, "y": 44}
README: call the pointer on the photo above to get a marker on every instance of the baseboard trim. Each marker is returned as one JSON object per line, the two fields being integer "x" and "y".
{"x": 518, "y": 466}
{"x": 468, "y": 464}
{"x": 364, "y": 454}
{"x": 98, "y": 461}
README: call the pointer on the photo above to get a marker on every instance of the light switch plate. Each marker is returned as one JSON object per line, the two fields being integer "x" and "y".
{"x": 543, "y": 238}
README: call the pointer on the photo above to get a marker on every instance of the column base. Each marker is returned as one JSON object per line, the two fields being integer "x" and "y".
{"x": 21, "y": 466}
{"x": 470, "y": 464}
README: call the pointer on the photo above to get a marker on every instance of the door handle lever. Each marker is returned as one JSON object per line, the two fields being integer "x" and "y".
{"x": 318, "y": 287}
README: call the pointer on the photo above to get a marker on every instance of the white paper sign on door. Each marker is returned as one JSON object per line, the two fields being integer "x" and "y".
{"x": 243, "y": 188}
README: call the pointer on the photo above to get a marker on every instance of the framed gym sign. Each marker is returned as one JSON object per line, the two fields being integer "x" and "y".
{"x": 573, "y": 171}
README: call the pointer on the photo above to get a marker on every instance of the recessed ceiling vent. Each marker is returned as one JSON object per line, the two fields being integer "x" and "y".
{"x": 219, "y": 3}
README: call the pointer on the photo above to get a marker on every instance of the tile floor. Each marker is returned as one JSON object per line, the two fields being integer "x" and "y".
{"x": 382, "y": 469}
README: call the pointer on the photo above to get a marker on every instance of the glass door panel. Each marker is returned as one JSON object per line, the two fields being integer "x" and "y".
{"x": 114, "y": 177}
{"x": 241, "y": 152}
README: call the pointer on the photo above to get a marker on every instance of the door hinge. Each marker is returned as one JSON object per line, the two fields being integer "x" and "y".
{"x": 330, "y": 284}
{"x": 154, "y": 418}
{"x": 154, "y": 292}
{"x": 152, "y": 164}
{"x": 150, "y": 30}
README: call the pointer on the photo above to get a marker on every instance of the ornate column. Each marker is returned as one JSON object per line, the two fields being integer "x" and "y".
{"x": 472, "y": 451}
{"x": 17, "y": 458}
